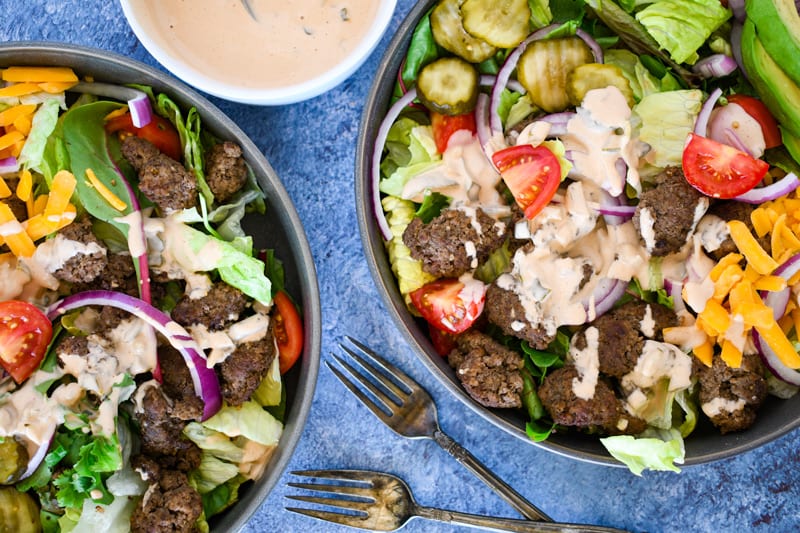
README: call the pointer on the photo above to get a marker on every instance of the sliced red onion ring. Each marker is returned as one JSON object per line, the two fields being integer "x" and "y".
{"x": 138, "y": 102}
{"x": 205, "y": 381}
{"x": 773, "y": 362}
{"x": 715, "y": 66}
{"x": 737, "y": 7}
{"x": 675, "y": 291}
{"x": 701, "y": 124}
{"x": 9, "y": 165}
{"x": 594, "y": 46}
{"x": 558, "y": 122}
{"x": 482, "y": 120}
{"x": 614, "y": 209}
{"x": 622, "y": 211}
{"x": 377, "y": 153}
{"x": 782, "y": 187}
{"x": 605, "y": 295}
{"x": 735, "y": 141}
{"x": 38, "y": 456}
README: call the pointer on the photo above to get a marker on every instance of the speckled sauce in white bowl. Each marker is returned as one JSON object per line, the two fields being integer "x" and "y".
{"x": 262, "y": 52}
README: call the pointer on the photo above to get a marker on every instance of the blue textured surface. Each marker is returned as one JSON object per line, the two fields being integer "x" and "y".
{"x": 311, "y": 145}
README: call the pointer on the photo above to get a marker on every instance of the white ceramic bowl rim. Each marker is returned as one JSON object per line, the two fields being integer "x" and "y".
{"x": 267, "y": 96}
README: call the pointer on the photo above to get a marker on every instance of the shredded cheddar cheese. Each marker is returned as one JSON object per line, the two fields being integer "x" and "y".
{"x": 736, "y": 307}
{"x": 39, "y": 74}
{"x": 105, "y": 192}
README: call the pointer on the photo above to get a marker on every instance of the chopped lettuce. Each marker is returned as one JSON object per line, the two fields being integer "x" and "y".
{"x": 249, "y": 420}
{"x": 411, "y": 150}
{"x": 667, "y": 118}
{"x": 408, "y": 270}
{"x": 653, "y": 450}
{"x": 195, "y": 251}
{"x": 43, "y": 124}
{"x": 269, "y": 390}
{"x": 682, "y": 26}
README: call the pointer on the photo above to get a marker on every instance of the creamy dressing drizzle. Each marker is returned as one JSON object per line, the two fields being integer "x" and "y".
{"x": 288, "y": 42}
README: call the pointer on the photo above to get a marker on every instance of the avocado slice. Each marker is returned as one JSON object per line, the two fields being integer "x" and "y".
{"x": 778, "y": 26}
{"x": 778, "y": 92}
{"x": 792, "y": 144}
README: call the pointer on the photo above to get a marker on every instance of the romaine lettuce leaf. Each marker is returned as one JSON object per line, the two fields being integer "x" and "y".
{"x": 411, "y": 150}
{"x": 43, "y": 124}
{"x": 249, "y": 420}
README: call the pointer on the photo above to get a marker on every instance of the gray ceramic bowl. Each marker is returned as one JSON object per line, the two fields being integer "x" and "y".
{"x": 280, "y": 229}
{"x": 704, "y": 445}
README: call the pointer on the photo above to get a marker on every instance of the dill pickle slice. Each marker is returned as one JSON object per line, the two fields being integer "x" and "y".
{"x": 448, "y": 85}
{"x": 503, "y": 24}
{"x": 18, "y": 512}
{"x": 544, "y": 66}
{"x": 449, "y": 33}
{"x": 13, "y": 460}
{"x": 584, "y": 78}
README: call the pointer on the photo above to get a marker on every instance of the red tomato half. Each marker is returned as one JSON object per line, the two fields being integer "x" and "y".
{"x": 288, "y": 331}
{"x": 446, "y": 306}
{"x": 446, "y": 125}
{"x": 443, "y": 342}
{"x": 719, "y": 170}
{"x": 531, "y": 173}
{"x": 25, "y": 333}
{"x": 756, "y": 109}
{"x": 159, "y": 131}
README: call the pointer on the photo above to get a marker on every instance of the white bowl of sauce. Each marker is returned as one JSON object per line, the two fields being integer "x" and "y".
{"x": 263, "y": 52}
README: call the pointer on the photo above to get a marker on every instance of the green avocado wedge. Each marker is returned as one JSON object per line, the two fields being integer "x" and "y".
{"x": 792, "y": 144}
{"x": 780, "y": 94}
{"x": 778, "y": 26}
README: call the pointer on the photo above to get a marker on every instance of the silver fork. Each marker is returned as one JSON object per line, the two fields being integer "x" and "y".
{"x": 408, "y": 409}
{"x": 383, "y": 502}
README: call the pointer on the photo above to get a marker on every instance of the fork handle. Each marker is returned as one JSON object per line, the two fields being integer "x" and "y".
{"x": 490, "y": 523}
{"x": 463, "y": 456}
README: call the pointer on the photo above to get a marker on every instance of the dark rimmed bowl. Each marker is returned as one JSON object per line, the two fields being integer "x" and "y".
{"x": 777, "y": 417}
{"x": 280, "y": 229}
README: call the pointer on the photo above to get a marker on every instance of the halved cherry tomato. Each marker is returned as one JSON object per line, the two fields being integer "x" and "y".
{"x": 25, "y": 333}
{"x": 446, "y": 125}
{"x": 756, "y": 109}
{"x": 447, "y": 306}
{"x": 719, "y": 170}
{"x": 288, "y": 331}
{"x": 531, "y": 173}
{"x": 159, "y": 131}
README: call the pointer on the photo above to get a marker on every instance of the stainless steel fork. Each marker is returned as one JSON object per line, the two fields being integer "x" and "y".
{"x": 383, "y": 502}
{"x": 408, "y": 409}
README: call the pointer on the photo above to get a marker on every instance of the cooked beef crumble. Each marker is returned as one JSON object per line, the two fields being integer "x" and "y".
{"x": 170, "y": 503}
{"x": 221, "y": 306}
{"x": 226, "y": 171}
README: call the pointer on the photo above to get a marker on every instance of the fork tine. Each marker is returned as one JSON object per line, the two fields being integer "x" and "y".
{"x": 361, "y": 492}
{"x": 336, "y": 518}
{"x": 349, "y": 505}
{"x": 354, "y": 476}
{"x": 366, "y": 400}
{"x": 392, "y": 370}
{"x": 371, "y": 370}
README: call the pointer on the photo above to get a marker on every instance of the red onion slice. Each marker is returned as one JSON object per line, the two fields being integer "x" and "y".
{"x": 206, "y": 384}
{"x": 736, "y": 45}
{"x": 138, "y": 101}
{"x": 605, "y": 295}
{"x": 782, "y": 187}
{"x": 558, "y": 122}
{"x": 9, "y": 165}
{"x": 675, "y": 291}
{"x": 715, "y": 66}
{"x": 38, "y": 456}
{"x": 701, "y": 124}
{"x": 775, "y": 365}
{"x": 377, "y": 153}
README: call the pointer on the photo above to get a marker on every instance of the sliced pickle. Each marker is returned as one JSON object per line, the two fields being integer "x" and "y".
{"x": 544, "y": 67}
{"x": 500, "y": 23}
{"x": 13, "y": 460}
{"x": 449, "y": 33}
{"x": 448, "y": 85}
{"x": 584, "y": 78}
{"x": 19, "y": 513}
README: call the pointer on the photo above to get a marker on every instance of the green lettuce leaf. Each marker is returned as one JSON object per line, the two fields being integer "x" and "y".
{"x": 653, "y": 450}
{"x": 681, "y": 26}
{"x": 196, "y": 251}
{"x": 248, "y": 420}
{"x": 667, "y": 118}
{"x": 43, "y": 124}
{"x": 269, "y": 390}
{"x": 411, "y": 150}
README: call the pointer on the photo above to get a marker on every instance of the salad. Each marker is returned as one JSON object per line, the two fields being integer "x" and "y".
{"x": 592, "y": 206}
{"x": 143, "y": 338}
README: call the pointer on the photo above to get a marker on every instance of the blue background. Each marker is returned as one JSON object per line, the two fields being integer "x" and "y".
{"x": 311, "y": 145}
